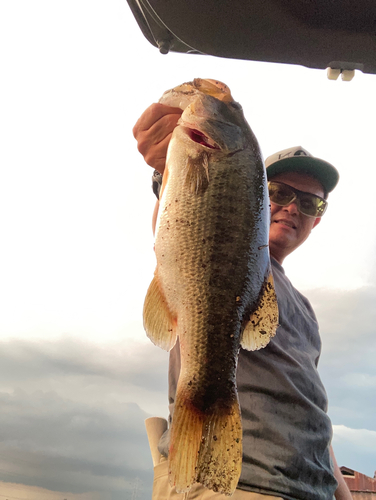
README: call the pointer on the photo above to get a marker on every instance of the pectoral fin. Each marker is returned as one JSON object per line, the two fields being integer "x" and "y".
{"x": 197, "y": 173}
{"x": 263, "y": 322}
{"x": 159, "y": 322}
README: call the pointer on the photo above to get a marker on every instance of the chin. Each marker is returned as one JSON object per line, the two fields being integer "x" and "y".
{"x": 280, "y": 237}
{"x": 282, "y": 244}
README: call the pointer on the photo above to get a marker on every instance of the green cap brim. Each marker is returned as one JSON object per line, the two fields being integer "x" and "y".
{"x": 321, "y": 170}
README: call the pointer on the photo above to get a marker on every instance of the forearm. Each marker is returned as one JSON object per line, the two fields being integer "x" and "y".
{"x": 342, "y": 492}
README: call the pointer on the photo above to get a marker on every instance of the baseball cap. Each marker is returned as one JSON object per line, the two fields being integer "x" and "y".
{"x": 298, "y": 159}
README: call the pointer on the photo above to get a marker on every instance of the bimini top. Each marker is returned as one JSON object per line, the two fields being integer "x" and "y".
{"x": 317, "y": 34}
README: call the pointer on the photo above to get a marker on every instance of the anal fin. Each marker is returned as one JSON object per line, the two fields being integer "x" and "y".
{"x": 263, "y": 322}
{"x": 159, "y": 323}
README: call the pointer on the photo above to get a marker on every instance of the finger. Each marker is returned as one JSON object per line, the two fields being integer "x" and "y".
{"x": 156, "y": 155}
{"x": 152, "y": 114}
{"x": 157, "y": 133}
{"x": 162, "y": 128}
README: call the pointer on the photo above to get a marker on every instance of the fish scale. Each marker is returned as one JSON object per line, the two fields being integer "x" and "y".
{"x": 212, "y": 287}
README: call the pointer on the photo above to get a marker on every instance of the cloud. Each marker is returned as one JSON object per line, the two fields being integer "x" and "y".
{"x": 356, "y": 447}
{"x": 347, "y": 323}
{"x": 127, "y": 371}
{"x": 347, "y": 366}
{"x": 72, "y": 415}
{"x": 62, "y": 445}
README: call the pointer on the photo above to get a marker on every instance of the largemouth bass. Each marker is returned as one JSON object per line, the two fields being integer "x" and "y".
{"x": 213, "y": 287}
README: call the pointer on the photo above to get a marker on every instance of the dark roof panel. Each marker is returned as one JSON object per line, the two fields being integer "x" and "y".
{"x": 313, "y": 33}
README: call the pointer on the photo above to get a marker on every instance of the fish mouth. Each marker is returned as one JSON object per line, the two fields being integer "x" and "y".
{"x": 200, "y": 138}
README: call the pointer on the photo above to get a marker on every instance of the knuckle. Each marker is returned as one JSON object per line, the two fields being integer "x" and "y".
{"x": 151, "y": 158}
{"x": 148, "y": 158}
{"x": 143, "y": 145}
{"x": 135, "y": 131}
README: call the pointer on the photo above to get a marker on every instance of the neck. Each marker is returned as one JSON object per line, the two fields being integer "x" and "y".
{"x": 277, "y": 256}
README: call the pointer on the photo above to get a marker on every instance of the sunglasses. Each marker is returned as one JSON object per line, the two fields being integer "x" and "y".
{"x": 308, "y": 204}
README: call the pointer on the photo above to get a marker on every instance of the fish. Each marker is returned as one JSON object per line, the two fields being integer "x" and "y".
{"x": 213, "y": 286}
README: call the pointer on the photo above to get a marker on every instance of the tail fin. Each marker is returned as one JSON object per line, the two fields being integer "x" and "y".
{"x": 185, "y": 440}
{"x": 220, "y": 456}
{"x": 205, "y": 448}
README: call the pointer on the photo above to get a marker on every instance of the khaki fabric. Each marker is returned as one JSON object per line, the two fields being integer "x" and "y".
{"x": 163, "y": 491}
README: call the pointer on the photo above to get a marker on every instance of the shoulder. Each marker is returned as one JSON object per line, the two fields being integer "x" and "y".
{"x": 289, "y": 298}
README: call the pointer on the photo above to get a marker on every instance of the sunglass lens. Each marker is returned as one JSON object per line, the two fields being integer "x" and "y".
{"x": 280, "y": 194}
{"x": 312, "y": 205}
{"x": 308, "y": 204}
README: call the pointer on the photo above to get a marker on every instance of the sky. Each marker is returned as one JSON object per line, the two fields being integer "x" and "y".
{"x": 78, "y": 376}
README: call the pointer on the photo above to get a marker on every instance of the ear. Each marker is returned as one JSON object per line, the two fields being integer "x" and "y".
{"x": 317, "y": 220}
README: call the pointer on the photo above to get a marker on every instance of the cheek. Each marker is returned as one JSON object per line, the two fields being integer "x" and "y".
{"x": 307, "y": 225}
{"x": 274, "y": 208}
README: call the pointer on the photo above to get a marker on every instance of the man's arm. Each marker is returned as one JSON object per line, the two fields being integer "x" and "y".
{"x": 342, "y": 492}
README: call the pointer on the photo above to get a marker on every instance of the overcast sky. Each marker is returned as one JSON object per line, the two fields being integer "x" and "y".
{"x": 77, "y": 376}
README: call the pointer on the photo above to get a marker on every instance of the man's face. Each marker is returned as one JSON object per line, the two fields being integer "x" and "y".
{"x": 289, "y": 228}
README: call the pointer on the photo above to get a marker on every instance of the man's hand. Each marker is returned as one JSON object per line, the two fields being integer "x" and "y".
{"x": 153, "y": 132}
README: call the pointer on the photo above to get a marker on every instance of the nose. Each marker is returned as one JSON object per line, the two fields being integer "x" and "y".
{"x": 292, "y": 209}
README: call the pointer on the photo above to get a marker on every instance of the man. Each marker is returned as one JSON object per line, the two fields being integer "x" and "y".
{"x": 286, "y": 431}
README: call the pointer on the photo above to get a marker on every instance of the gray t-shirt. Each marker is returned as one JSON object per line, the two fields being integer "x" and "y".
{"x": 286, "y": 431}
